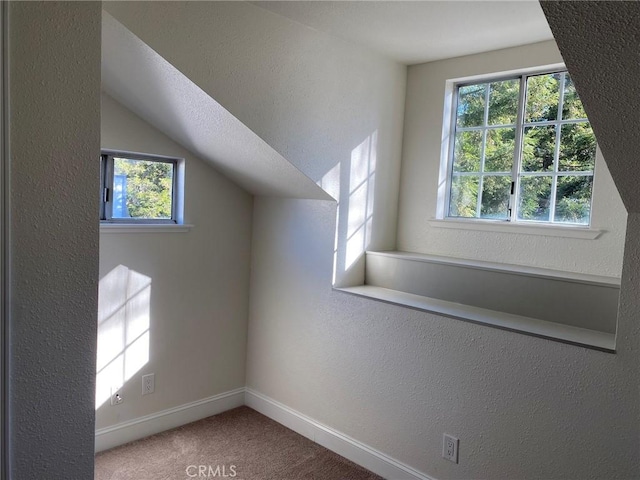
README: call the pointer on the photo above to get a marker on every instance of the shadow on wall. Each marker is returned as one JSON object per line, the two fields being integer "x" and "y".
{"x": 352, "y": 184}
{"x": 123, "y": 329}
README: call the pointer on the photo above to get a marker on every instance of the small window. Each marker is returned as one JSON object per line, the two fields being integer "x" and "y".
{"x": 138, "y": 188}
{"x": 522, "y": 150}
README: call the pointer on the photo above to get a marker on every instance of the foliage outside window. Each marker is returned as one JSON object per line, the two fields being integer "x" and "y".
{"x": 522, "y": 150}
{"x": 138, "y": 188}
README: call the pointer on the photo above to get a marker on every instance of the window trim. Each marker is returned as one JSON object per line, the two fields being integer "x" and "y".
{"x": 565, "y": 230}
{"x": 448, "y": 147}
{"x": 106, "y": 182}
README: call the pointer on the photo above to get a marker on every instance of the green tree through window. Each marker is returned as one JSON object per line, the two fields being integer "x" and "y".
{"x": 149, "y": 187}
{"x": 138, "y": 188}
{"x": 523, "y": 150}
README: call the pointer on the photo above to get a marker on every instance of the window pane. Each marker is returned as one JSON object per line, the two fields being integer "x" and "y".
{"x": 577, "y": 148}
{"x": 464, "y": 196}
{"x": 542, "y": 97}
{"x": 142, "y": 189}
{"x": 495, "y": 197}
{"x": 467, "y": 151}
{"x": 572, "y": 106}
{"x": 503, "y": 102}
{"x": 535, "y": 198}
{"x": 538, "y": 148}
{"x": 573, "y": 199}
{"x": 471, "y": 105}
{"x": 498, "y": 152}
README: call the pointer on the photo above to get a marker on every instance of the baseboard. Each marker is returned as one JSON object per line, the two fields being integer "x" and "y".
{"x": 333, "y": 440}
{"x": 171, "y": 418}
{"x": 329, "y": 438}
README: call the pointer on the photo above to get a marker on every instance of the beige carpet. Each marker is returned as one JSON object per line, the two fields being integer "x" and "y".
{"x": 240, "y": 444}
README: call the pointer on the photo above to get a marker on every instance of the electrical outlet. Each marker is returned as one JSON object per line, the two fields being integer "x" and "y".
{"x": 116, "y": 396}
{"x": 148, "y": 383}
{"x": 450, "y": 448}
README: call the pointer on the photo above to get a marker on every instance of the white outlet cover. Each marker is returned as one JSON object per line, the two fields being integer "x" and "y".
{"x": 450, "y": 448}
{"x": 148, "y": 383}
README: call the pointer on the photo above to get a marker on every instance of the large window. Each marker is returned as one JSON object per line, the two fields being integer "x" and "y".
{"x": 138, "y": 188}
{"x": 522, "y": 150}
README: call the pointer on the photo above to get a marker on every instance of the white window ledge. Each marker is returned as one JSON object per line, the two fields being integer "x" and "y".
{"x": 144, "y": 228}
{"x": 568, "y": 231}
{"x": 503, "y": 267}
{"x": 506, "y": 321}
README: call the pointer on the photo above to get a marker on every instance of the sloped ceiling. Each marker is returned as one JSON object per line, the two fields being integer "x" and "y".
{"x": 139, "y": 78}
{"x": 600, "y": 44}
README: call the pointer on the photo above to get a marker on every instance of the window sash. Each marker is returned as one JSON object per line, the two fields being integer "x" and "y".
{"x": 516, "y": 172}
{"x": 107, "y": 187}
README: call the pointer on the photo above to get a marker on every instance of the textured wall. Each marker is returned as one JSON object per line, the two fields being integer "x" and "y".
{"x": 319, "y": 101}
{"x": 199, "y": 280}
{"x": 605, "y": 78}
{"x": 391, "y": 377}
{"x": 420, "y": 177}
{"x": 55, "y": 140}
{"x": 397, "y": 379}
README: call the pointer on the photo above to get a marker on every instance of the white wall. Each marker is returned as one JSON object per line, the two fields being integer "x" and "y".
{"x": 420, "y": 178}
{"x": 397, "y": 379}
{"x": 390, "y": 377}
{"x": 329, "y": 107}
{"x": 200, "y": 281}
{"x": 54, "y": 97}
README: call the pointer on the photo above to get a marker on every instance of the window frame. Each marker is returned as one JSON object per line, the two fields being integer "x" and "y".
{"x": 450, "y": 129}
{"x": 107, "y": 187}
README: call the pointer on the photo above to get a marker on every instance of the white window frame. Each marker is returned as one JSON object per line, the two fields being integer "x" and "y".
{"x": 107, "y": 185}
{"x": 448, "y": 146}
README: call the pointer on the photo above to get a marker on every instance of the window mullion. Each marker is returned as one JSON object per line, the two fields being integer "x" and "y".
{"x": 556, "y": 153}
{"x": 556, "y": 161}
{"x": 554, "y": 187}
{"x": 479, "y": 199}
{"x": 561, "y": 96}
{"x": 542, "y": 123}
{"x": 487, "y": 90}
{"x": 517, "y": 154}
{"x": 103, "y": 184}
{"x": 554, "y": 179}
{"x": 452, "y": 148}
{"x": 108, "y": 206}
{"x": 481, "y": 177}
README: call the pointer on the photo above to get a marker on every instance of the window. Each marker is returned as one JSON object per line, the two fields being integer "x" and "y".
{"x": 138, "y": 188}
{"x": 522, "y": 150}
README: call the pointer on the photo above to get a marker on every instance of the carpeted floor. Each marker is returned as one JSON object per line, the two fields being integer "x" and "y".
{"x": 240, "y": 444}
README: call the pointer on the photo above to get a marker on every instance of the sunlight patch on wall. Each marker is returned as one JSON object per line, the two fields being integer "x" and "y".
{"x": 123, "y": 329}
{"x": 361, "y": 198}
{"x": 351, "y": 183}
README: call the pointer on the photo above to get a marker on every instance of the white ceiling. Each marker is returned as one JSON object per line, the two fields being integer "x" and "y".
{"x": 422, "y": 31}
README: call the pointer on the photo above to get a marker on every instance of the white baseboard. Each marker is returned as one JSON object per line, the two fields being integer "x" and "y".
{"x": 329, "y": 438}
{"x": 333, "y": 440}
{"x": 171, "y": 418}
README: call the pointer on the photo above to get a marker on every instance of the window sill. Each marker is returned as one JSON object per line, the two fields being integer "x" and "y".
{"x": 568, "y": 231}
{"x": 144, "y": 228}
{"x": 502, "y": 267}
{"x": 529, "y": 326}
